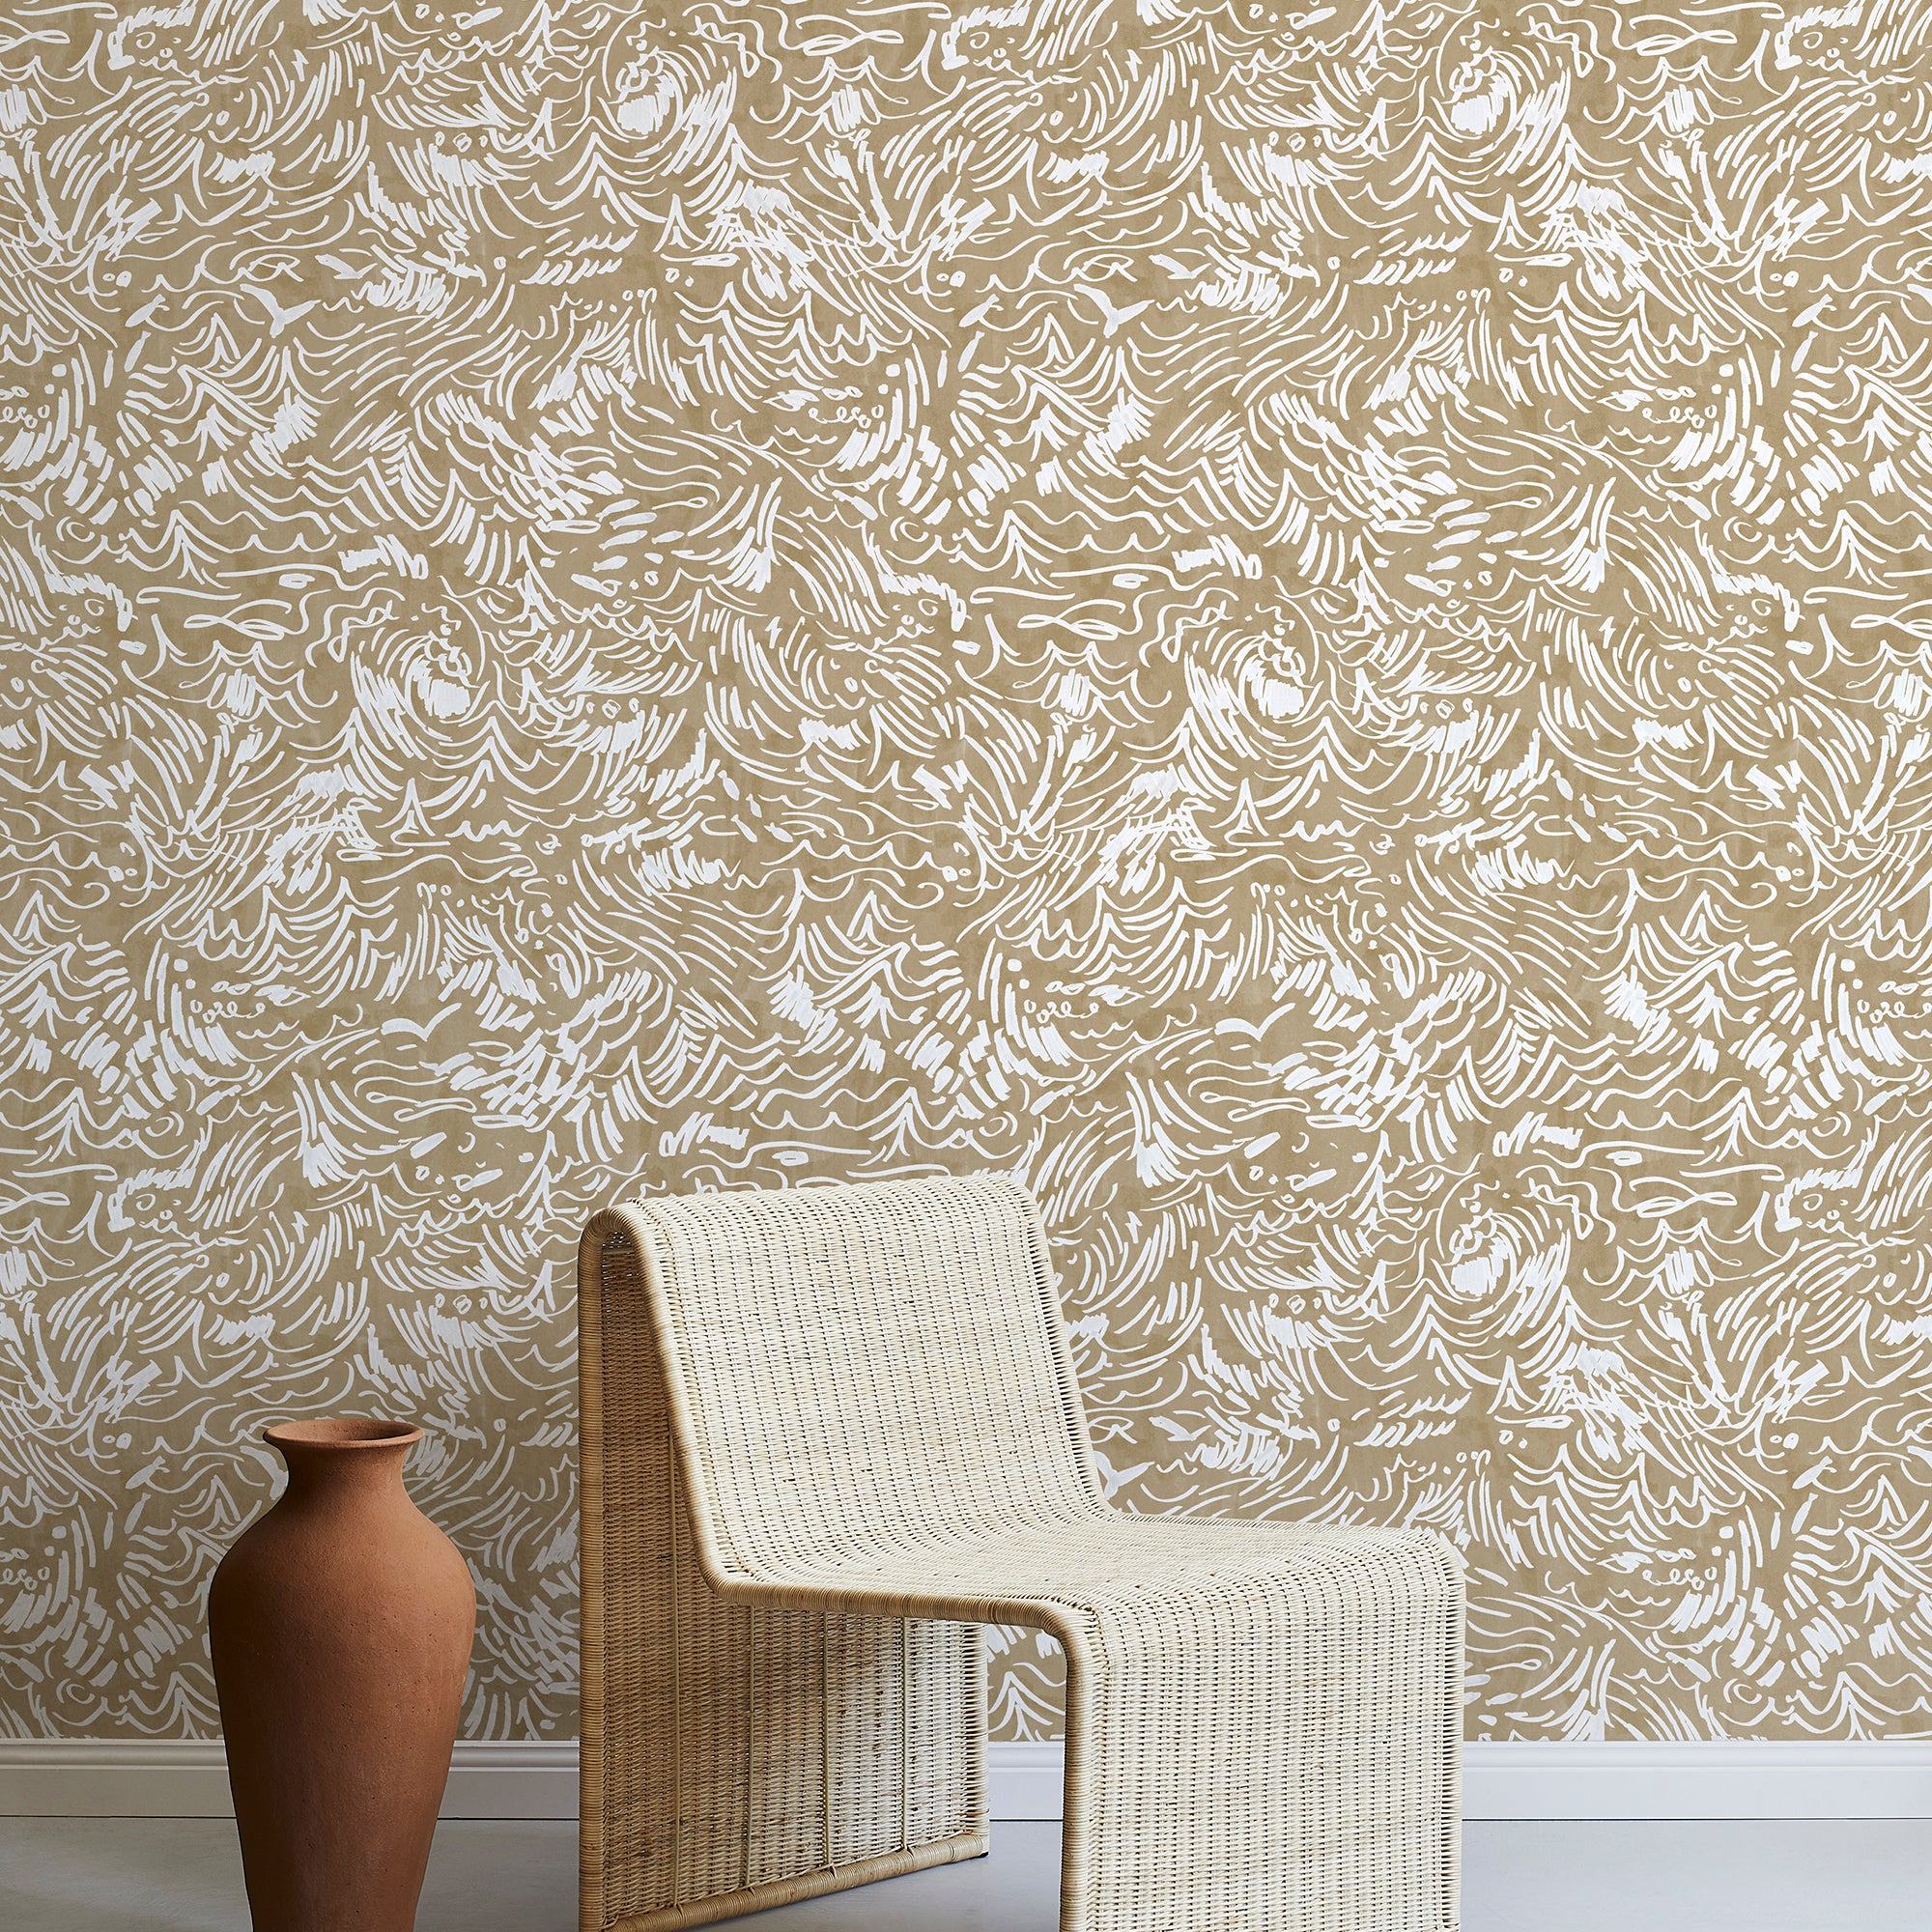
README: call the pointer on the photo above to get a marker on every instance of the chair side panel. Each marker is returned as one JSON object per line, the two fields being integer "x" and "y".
{"x": 730, "y": 1747}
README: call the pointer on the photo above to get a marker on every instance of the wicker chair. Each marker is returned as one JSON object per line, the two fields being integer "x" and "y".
{"x": 827, "y": 1430}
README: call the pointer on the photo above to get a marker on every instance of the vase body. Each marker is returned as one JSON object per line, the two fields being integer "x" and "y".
{"x": 340, "y": 1625}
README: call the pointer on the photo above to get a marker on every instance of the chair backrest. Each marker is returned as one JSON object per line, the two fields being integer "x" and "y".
{"x": 849, "y": 1364}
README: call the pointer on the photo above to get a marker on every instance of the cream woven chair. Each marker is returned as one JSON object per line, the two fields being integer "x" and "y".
{"x": 825, "y": 1427}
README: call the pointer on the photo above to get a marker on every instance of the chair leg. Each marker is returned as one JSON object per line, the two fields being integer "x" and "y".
{"x": 734, "y": 1756}
{"x": 1291, "y": 1765}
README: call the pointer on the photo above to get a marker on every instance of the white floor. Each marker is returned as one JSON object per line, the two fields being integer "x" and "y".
{"x": 183, "y": 1875}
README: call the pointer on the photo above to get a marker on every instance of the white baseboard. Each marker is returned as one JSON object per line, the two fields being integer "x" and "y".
{"x": 188, "y": 1777}
{"x": 1718, "y": 1780}
{"x": 1724, "y": 1778}
{"x": 108, "y": 1778}
{"x": 1025, "y": 1780}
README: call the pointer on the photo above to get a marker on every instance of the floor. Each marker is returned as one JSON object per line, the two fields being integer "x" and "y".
{"x": 182, "y": 1875}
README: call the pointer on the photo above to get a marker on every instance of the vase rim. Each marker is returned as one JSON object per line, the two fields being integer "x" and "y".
{"x": 343, "y": 1432}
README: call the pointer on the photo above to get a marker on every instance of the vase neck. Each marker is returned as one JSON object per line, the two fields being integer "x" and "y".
{"x": 344, "y": 1461}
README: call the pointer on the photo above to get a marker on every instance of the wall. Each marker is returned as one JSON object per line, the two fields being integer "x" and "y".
{"x": 1308, "y": 625}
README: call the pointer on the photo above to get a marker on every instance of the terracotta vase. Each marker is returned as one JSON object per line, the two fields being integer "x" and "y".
{"x": 341, "y": 1624}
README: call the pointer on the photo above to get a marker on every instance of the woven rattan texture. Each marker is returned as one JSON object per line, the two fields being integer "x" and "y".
{"x": 738, "y": 1750}
{"x": 874, "y": 1412}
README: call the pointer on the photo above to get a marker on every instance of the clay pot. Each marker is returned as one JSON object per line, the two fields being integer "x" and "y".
{"x": 341, "y": 1625}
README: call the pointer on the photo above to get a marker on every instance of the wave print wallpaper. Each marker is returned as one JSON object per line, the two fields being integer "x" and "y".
{"x": 1310, "y": 625}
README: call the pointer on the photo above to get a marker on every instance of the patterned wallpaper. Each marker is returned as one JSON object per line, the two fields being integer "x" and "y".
{"x": 1310, "y": 624}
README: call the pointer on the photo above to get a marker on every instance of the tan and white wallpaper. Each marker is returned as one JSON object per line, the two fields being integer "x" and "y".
{"x": 1310, "y": 624}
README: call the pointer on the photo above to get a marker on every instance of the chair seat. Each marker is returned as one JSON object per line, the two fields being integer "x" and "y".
{"x": 1118, "y": 1567}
